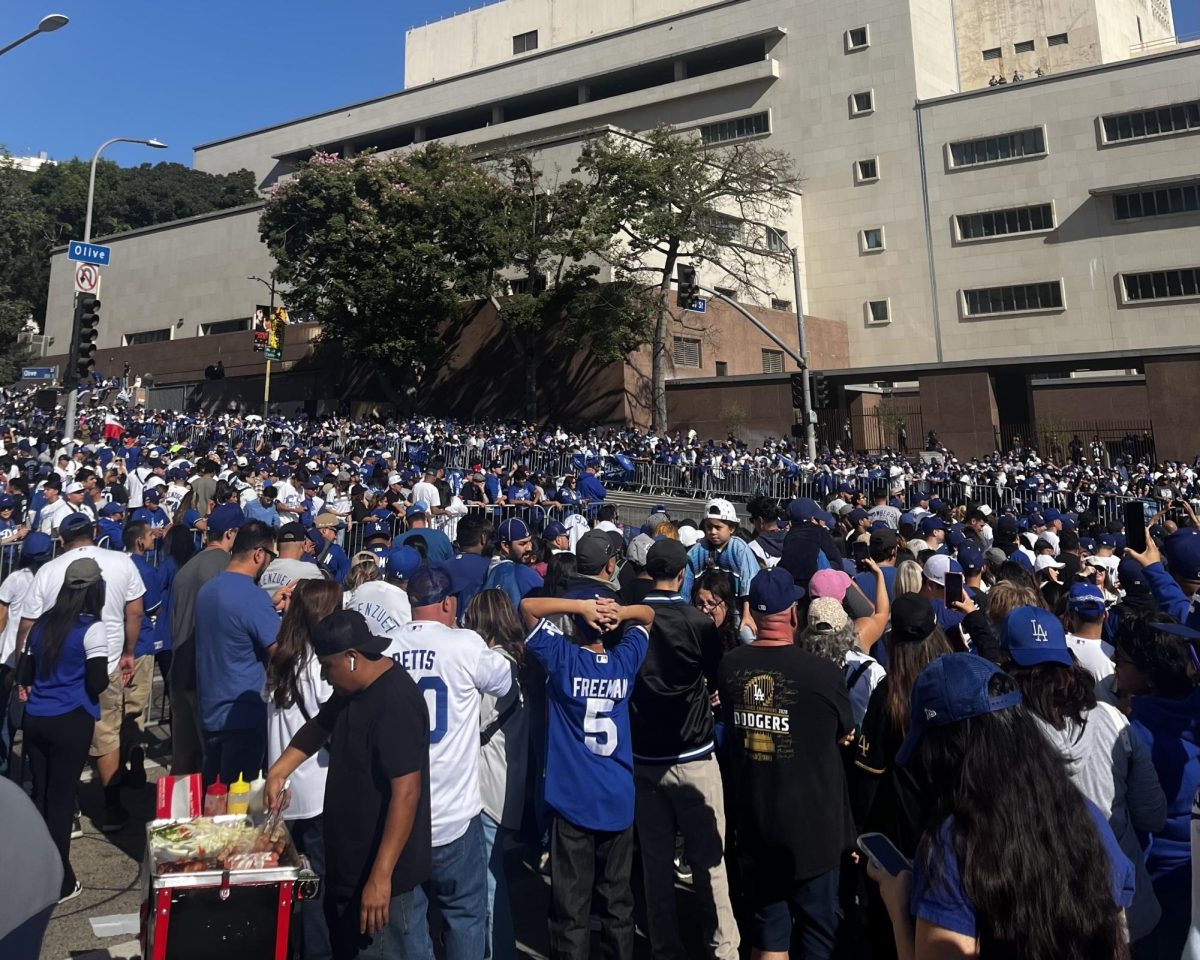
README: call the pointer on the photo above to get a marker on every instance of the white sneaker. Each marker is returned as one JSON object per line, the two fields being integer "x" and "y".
{"x": 73, "y": 894}
{"x": 76, "y": 827}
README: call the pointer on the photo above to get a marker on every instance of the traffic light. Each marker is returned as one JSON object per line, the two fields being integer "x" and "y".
{"x": 688, "y": 289}
{"x": 87, "y": 326}
{"x": 797, "y": 391}
{"x": 821, "y": 391}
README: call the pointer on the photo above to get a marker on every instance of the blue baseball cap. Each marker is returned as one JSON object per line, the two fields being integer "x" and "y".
{"x": 36, "y": 546}
{"x": 970, "y": 558}
{"x": 1182, "y": 552}
{"x": 936, "y": 505}
{"x": 1033, "y": 635}
{"x": 512, "y": 530}
{"x": 418, "y": 509}
{"x": 373, "y": 531}
{"x": 226, "y": 517}
{"x": 773, "y": 590}
{"x": 7, "y": 501}
{"x": 857, "y": 515}
{"x": 403, "y": 562}
{"x": 429, "y": 586}
{"x": 930, "y": 524}
{"x": 951, "y": 689}
{"x": 1052, "y": 514}
{"x": 1132, "y": 577}
{"x": 554, "y": 530}
{"x": 152, "y": 494}
{"x": 658, "y": 508}
{"x": 1107, "y": 540}
{"x": 1019, "y": 556}
{"x": 74, "y": 523}
{"x": 112, "y": 509}
{"x": 1087, "y": 543}
{"x": 1037, "y": 520}
{"x": 312, "y": 483}
{"x": 906, "y": 520}
{"x": 1086, "y": 598}
{"x": 803, "y": 510}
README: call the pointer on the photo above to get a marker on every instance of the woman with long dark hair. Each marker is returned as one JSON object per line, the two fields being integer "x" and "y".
{"x": 295, "y": 691}
{"x": 712, "y": 595}
{"x": 1014, "y": 862}
{"x": 179, "y": 546}
{"x": 65, "y": 667}
{"x": 503, "y": 765}
{"x": 1106, "y": 759}
{"x": 1153, "y": 675}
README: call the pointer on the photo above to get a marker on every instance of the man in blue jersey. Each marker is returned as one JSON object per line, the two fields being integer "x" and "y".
{"x": 512, "y": 572}
{"x": 589, "y": 767}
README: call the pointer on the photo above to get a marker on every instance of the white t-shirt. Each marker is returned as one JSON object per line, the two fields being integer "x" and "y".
{"x": 452, "y": 668}
{"x": 1091, "y": 656}
{"x": 427, "y": 492}
{"x": 13, "y": 592}
{"x": 503, "y": 760}
{"x": 308, "y": 780}
{"x": 52, "y": 515}
{"x": 384, "y": 606}
{"x": 122, "y": 584}
{"x": 281, "y": 571}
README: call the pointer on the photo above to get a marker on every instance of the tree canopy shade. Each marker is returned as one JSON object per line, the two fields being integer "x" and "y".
{"x": 669, "y": 196}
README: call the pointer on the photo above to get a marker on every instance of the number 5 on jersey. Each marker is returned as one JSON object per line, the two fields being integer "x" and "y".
{"x": 600, "y": 732}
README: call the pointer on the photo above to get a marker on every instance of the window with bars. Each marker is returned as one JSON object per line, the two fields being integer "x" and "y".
{"x": 1056, "y": 40}
{"x": 784, "y": 305}
{"x": 999, "y": 149}
{"x": 739, "y": 128}
{"x": 1025, "y": 46}
{"x": 1034, "y": 218}
{"x": 1178, "y": 284}
{"x": 862, "y": 103}
{"x": 772, "y": 361}
{"x": 147, "y": 336}
{"x": 1173, "y": 198}
{"x": 525, "y": 42}
{"x": 224, "y": 326}
{"x": 991, "y": 53}
{"x": 685, "y": 351}
{"x": 1162, "y": 121}
{"x": 1017, "y": 298}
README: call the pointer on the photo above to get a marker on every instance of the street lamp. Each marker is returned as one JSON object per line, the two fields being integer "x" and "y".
{"x": 810, "y": 432}
{"x": 87, "y": 221}
{"x": 48, "y": 24}
{"x": 73, "y": 391}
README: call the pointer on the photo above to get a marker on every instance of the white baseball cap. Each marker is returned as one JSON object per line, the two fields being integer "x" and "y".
{"x": 394, "y": 478}
{"x": 1044, "y": 562}
{"x": 689, "y": 536}
{"x": 73, "y": 488}
{"x": 719, "y": 509}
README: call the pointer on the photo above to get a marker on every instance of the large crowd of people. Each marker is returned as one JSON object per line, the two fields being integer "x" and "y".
{"x": 889, "y": 717}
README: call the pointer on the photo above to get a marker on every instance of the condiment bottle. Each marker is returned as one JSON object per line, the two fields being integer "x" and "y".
{"x": 216, "y": 799}
{"x": 239, "y": 796}
{"x": 257, "y": 786}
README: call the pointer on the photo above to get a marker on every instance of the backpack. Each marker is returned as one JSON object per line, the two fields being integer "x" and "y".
{"x": 860, "y": 692}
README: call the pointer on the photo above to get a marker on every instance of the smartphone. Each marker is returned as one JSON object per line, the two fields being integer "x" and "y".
{"x": 880, "y": 849}
{"x": 1135, "y": 525}
{"x": 954, "y": 587}
{"x": 859, "y": 551}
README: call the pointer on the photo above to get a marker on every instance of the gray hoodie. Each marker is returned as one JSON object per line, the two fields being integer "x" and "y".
{"x": 1111, "y": 766}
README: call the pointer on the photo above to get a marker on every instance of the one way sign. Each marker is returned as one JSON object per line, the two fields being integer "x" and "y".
{"x": 88, "y": 253}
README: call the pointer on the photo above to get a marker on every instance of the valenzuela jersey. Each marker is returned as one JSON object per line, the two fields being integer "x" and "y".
{"x": 589, "y": 754}
{"x": 451, "y": 669}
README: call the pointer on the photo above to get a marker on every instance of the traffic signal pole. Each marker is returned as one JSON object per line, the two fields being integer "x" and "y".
{"x": 71, "y": 380}
{"x": 810, "y": 427}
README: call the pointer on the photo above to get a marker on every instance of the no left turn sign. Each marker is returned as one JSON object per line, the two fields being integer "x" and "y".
{"x": 87, "y": 278}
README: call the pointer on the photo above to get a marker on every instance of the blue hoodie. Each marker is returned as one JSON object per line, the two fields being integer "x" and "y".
{"x": 1171, "y": 729}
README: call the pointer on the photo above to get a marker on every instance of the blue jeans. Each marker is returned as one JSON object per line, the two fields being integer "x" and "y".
{"x": 501, "y": 938}
{"x": 458, "y": 888}
{"x": 390, "y": 943}
{"x": 231, "y": 753}
{"x": 310, "y": 933}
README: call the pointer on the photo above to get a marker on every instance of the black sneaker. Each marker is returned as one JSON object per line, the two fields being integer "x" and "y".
{"x": 135, "y": 776}
{"x": 76, "y": 891}
{"x": 76, "y": 827}
{"x": 115, "y": 819}
{"x": 683, "y": 871}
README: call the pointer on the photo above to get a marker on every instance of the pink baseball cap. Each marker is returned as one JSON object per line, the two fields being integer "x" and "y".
{"x": 829, "y": 583}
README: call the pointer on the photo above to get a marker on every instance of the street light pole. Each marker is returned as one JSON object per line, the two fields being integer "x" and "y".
{"x": 71, "y": 381}
{"x": 810, "y": 430}
{"x": 270, "y": 320}
{"x": 48, "y": 24}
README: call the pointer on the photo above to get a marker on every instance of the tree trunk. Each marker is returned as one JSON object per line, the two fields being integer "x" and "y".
{"x": 529, "y": 357}
{"x": 659, "y": 356}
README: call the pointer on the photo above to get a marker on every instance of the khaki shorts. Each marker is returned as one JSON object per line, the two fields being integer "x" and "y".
{"x": 119, "y": 701}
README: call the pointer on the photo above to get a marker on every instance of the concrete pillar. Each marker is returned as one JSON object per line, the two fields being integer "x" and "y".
{"x": 585, "y": 92}
{"x": 680, "y": 70}
{"x": 961, "y": 409}
{"x": 497, "y": 114}
{"x": 1173, "y": 396}
{"x": 348, "y": 150}
{"x": 419, "y": 133}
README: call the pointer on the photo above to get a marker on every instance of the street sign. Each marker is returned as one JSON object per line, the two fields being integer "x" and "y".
{"x": 87, "y": 279}
{"x": 39, "y": 373}
{"x": 276, "y": 328}
{"x": 88, "y": 253}
{"x": 699, "y": 305}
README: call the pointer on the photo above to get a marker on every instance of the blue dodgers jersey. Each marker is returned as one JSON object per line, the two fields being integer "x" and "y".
{"x": 589, "y": 756}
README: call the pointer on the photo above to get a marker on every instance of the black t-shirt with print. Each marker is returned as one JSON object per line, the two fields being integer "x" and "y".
{"x": 377, "y": 735}
{"x": 784, "y": 711}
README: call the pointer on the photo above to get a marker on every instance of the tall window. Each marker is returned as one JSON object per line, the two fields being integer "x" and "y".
{"x": 999, "y": 149}
{"x": 525, "y": 42}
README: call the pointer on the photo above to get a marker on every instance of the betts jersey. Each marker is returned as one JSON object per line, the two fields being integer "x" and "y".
{"x": 589, "y": 756}
{"x": 451, "y": 668}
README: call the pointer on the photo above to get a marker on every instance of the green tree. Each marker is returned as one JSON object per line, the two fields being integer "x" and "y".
{"x": 558, "y": 294}
{"x": 668, "y": 197}
{"x": 23, "y": 234}
{"x": 385, "y": 249}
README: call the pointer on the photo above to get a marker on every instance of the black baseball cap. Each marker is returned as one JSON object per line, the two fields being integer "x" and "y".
{"x": 912, "y": 618}
{"x": 291, "y": 533}
{"x": 665, "y": 559}
{"x": 346, "y": 630}
{"x": 593, "y": 551}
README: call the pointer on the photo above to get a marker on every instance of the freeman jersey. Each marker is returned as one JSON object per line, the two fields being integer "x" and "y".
{"x": 589, "y": 754}
{"x": 451, "y": 668}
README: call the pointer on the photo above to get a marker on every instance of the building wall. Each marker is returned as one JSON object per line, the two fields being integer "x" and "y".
{"x": 1079, "y": 403}
{"x": 484, "y": 37}
{"x": 1089, "y": 247}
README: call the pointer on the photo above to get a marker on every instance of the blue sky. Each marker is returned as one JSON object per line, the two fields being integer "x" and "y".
{"x": 187, "y": 73}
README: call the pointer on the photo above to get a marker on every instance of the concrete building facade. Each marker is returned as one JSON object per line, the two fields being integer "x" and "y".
{"x": 942, "y": 219}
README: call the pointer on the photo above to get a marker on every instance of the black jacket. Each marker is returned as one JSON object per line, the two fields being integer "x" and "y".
{"x": 801, "y": 546}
